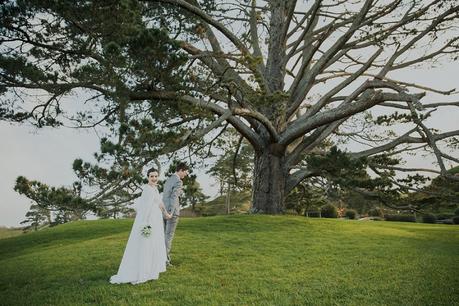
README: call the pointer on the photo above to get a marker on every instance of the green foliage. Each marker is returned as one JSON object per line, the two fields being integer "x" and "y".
{"x": 345, "y": 174}
{"x": 440, "y": 195}
{"x": 239, "y": 260}
{"x": 312, "y": 213}
{"x": 233, "y": 169}
{"x": 350, "y": 214}
{"x": 65, "y": 203}
{"x": 360, "y": 202}
{"x": 456, "y": 219}
{"x": 36, "y": 216}
{"x": 376, "y": 212}
{"x": 400, "y": 218}
{"x": 429, "y": 218}
{"x": 338, "y": 165}
{"x": 193, "y": 193}
{"x": 110, "y": 58}
{"x": 456, "y": 212}
{"x": 119, "y": 180}
{"x": 88, "y": 47}
{"x": 329, "y": 211}
{"x": 304, "y": 198}
{"x": 444, "y": 216}
{"x": 396, "y": 117}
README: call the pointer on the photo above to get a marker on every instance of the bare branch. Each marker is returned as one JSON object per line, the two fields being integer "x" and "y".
{"x": 429, "y": 105}
{"x": 297, "y": 177}
{"x": 403, "y": 139}
{"x": 430, "y": 137}
{"x": 407, "y": 169}
{"x": 325, "y": 99}
{"x": 302, "y": 84}
{"x": 252, "y": 137}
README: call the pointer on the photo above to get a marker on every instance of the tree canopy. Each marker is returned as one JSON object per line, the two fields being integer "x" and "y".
{"x": 293, "y": 78}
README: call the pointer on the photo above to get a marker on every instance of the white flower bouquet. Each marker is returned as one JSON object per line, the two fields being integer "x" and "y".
{"x": 146, "y": 231}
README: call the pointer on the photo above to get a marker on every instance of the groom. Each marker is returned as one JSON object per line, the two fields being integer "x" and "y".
{"x": 173, "y": 188}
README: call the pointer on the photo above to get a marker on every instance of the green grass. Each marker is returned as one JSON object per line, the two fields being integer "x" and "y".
{"x": 240, "y": 260}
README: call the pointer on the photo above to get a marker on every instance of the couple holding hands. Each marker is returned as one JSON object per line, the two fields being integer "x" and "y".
{"x": 148, "y": 248}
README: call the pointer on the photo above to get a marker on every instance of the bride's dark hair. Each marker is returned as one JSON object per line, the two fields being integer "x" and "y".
{"x": 151, "y": 170}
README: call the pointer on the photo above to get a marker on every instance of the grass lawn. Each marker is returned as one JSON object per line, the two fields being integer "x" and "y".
{"x": 9, "y": 232}
{"x": 240, "y": 260}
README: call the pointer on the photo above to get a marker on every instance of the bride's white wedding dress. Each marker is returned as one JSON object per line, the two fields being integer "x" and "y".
{"x": 144, "y": 257}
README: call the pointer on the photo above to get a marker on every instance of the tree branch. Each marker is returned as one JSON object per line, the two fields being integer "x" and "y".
{"x": 251, "y": 136}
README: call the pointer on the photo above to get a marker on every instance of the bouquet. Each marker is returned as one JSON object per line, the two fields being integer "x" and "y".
{"x": 146, "y": 231}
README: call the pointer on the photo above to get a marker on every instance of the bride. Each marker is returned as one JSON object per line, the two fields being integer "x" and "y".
{"x": 145, "y": 254}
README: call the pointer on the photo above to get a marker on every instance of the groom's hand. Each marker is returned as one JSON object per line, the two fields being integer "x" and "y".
{"x": 166, "y": 214}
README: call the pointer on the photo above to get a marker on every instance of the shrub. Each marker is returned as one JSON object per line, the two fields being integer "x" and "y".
{"x": 456, "y": 212}
{"x": 445, "y": 221}
{"x": 429, "y": 218}
{"x": 312, "y": 214}
{"x": 350, "y": 214}
{"x": 444, "y": 216}
{"x": 400, "y": 218}
{"x": 329, "y": 211}
{"x": 376, "y": 212}
{"x": 456, "y": 220}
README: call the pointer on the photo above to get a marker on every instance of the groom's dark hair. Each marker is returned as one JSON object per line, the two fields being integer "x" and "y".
{"x": 151, "y": 170}
{"x": 181, "y": 166}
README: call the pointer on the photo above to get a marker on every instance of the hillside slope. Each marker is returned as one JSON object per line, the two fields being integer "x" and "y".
{"x": 240, "y": 260}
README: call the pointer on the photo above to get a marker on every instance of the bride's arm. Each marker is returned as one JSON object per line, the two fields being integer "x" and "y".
{"x": 163, "y": 209}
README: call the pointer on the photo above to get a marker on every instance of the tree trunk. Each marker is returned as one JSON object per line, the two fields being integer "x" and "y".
{"x": 269, "y": 179}
{"x": 227, "y": 199}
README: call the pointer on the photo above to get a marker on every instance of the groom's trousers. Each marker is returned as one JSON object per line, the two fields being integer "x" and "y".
{"x": 169, "y": 231}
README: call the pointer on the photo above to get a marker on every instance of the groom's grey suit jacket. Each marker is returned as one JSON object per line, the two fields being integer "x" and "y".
{"x": 171, "y": 193}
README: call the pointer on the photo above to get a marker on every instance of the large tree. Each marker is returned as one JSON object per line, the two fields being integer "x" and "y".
{"x": 287, "y": 75}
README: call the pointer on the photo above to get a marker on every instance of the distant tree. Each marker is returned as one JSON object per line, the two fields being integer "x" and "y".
{"x": 36, "y": 216}
{"x": 193, "y": 194}
{"x": 440, "y": 193}
{"x": 306, "y": 197}
{"x": 64, "y": 203}
{"x": 233, "y": 168}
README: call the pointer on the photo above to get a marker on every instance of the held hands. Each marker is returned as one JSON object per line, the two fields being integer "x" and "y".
{"x": 167, "y": 215}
